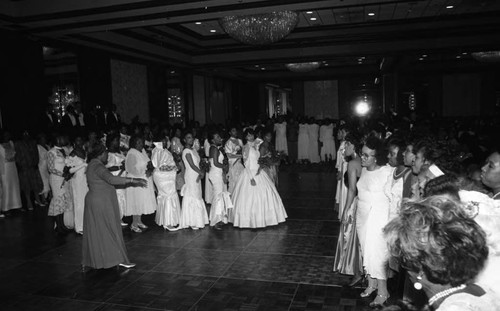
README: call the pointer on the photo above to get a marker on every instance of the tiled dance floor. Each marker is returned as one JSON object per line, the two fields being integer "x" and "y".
{"x": 286, "y": 267}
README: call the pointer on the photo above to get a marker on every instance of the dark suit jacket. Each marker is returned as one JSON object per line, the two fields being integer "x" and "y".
{"x": 111, "y": 120}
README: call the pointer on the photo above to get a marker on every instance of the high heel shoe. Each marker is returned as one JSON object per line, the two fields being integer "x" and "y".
{"x": 368, "y": 291}
{"x": 142, "y": 226}
{"x": 135, "y": 229}
{"x": 379, "y": 301}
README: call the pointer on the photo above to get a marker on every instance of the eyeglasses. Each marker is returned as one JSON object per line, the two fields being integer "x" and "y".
{"x": 366, "y": 156}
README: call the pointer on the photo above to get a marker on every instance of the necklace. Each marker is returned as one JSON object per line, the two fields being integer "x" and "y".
{"x": 397, "y": 176}
{"x": 445, "y": 293}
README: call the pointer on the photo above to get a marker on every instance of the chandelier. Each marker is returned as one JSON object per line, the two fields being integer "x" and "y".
{"x": 488, "y": 56}
{"x": 302, "y": 67}
{"x": 260, "y": 29}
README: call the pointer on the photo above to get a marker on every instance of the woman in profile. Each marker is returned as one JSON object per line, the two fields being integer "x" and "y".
{"x": 103, "y": 245}
{"x": 444, "y": 251}
{"x": 348, "y": 258}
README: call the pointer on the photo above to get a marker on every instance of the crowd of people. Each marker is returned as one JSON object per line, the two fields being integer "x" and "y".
{"x": 414, "y": 199}
{"x": 417, "y": 203}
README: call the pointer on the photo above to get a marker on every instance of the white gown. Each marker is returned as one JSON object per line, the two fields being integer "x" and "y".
{"x": 194, "y": 213}
{"x": 234, "y": 146}
{"x": 78, "y": 185}
{"x": 341, "y": 193}
{"x": 260, "y": 205}
{"x": 44, "y": 171}
{"x": 281, "y": 143}
{"x": 326, "y": 137}
{"x": 140, "y": 201}
{"x": 116, "y": 159}
{"x": 168, "y": 212}
{"x": 303, "y": 152}
{"x": 371, "y": 217}
{"x": 221, "y": 202}
{"x": 11, "y": 192}
{"x": 313, "y": 131}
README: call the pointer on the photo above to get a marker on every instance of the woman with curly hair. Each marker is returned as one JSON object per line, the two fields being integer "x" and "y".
{"x": 372, "y": 215}
{"x": 443, "y": 250}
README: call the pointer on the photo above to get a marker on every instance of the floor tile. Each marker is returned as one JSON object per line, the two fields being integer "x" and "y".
{"x": 304, "y": 227}
{"x": 165, "y": 238}
{"x": 34, "y": 302}
{"x": 312, "y": 214}
{"x": 294, "y": 244}
{"x": 93, "y": 285}
{"x": 286, "y": 268}
{"x": 198, "y": 262}
{"x": 228, "y": 239}
{"x": 315, "y": 297}
{"x": 30, "y": 277}
{"x": 233, "y": 294}
{"x": 164, "y": 291}
{"x": 68, "y": 254}
{"x": 148, "y": 257}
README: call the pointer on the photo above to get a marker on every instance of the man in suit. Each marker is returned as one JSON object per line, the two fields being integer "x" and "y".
{"x": 112, "y": 117}
{"x": 49, "y": 122}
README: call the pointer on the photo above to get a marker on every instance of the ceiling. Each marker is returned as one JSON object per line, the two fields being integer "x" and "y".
{"x": 347, "y": 36}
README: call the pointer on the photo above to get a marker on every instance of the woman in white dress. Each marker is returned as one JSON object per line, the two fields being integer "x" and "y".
{"x": 78, "y": 183}
{"x": 208, "y": 185}
{"x": 233, "y": 148}
{"x": 168, "y": 213}
{"x": 116, "y": 166}
{"x": 43, "y": 149}
{"x": 372, "y": 215}
{"x": 281, "y": 142}
{"x": 328, "y": 152}
{"x": 194, "y": 213}
{"x": 221, "y": 202}
{"x": 11, "y": 191}
{"x": 313, "y": 132}
{"x": 303, "y": 152}
{"x": 257, "y": 203}
{"x": 140, "y": 201}
{"x": 61, "y": 205}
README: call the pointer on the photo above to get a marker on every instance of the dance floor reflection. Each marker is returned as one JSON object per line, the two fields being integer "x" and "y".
{"x": 286, "y": 267}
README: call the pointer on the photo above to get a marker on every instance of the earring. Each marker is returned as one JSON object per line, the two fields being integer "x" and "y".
{"x": 418, "y": 285}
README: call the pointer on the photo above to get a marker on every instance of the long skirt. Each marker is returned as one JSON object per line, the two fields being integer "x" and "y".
{"x": 103, "y": 245}
{"x": 168, "y": 212}
{"x": 348, "y": 258}
{"x": 221, "y": 202}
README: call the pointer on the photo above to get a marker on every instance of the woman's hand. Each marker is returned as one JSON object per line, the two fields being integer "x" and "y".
{"x": 139, "y": 182}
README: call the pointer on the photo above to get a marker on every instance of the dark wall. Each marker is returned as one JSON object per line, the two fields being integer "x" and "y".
{"x": 158, "y": 94}
{"x": 95, "y": 79}
{"x": 22, "y": 100}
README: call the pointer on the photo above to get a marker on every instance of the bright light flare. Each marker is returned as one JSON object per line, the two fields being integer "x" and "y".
{"x": 362, "y": 108}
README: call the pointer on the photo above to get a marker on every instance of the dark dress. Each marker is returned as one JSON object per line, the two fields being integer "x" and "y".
{"x": 103, "y": 245}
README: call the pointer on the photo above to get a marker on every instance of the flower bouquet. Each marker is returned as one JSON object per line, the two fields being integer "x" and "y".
{"x": 67, "y": 175}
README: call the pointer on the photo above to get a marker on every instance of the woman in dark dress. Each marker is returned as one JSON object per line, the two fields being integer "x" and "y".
{"x": 103, "y": 245}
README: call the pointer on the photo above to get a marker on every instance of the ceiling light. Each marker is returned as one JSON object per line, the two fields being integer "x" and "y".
{"x": 464, "y": 53}
{"x": 313, "y": 18}
{"x": 213, "y": 30}
{"x": 303, "y": 67}
{"x": 262, "y": 68}
{"x": 257, "y": 66}
{"x": 449, "y": 7}
{"x": 309, "y": 12}
{"x": 371, "y": 14}
{"x": 424, "y": 55}
{"x": 172, "y": 72}
{"x": 487, "y": 56}
{"x": 326, "y": 64}
{"x": 420, "y": 58}
{"x": 458, "y": 56}
{"x": 198, "y": 23}
{"x": 260, "y": 29}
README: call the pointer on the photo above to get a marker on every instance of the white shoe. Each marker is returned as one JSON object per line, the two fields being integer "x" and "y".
{"x": 127, "y": 265}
